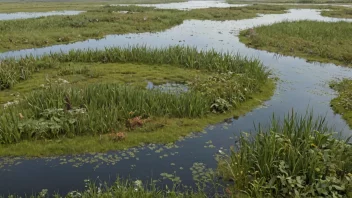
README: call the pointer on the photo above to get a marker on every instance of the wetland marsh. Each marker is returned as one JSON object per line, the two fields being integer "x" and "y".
{"x": 57, "y": 86}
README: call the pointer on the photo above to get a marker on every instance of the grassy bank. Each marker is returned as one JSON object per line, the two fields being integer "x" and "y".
{"x": 126, "y": 189}
{"x": 338, "y": 12}
{"x": 83, "y": 101}
{"x": 9, "y": 6}
{"x": 298, "y": 157}
{"x": 98, "y": 22}
{"x": 46, "y": 31}
{"x": 315, "y": 41}
{"x": 343, "y": 103}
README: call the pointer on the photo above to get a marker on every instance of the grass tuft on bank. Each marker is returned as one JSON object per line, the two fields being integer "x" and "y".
{"x": 315, "y": 41}
{"x": 298, "y": 157}
{"x": 342, "y": 104}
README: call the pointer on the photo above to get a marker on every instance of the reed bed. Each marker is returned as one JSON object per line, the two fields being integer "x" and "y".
{"x": 67, "y": 110}
{"x": 317, "y": 41}
{"x": 299, "y": 157}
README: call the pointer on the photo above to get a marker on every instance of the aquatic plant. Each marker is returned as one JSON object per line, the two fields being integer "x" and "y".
{"x": 299, "y": 156}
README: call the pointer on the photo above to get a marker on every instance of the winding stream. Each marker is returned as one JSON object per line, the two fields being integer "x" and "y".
{"x": 302, "y": 85}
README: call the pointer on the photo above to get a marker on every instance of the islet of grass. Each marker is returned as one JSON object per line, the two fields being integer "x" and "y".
{"x": 315, "y": 41}
{"x": 70, "y": 111}
{"x": 342, "y": 104}
{"x": 338, "y": 12}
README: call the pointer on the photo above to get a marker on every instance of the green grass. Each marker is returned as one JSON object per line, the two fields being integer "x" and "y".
{"x": 16, "y": 70}
{"x": 9, "y": 6}
{"x": 298, "y": 157}
{"x": 46, "y": 31}
{"x": 342, "y": 104}
{"x": 82, "y": 74}
{"x": 106, "y": 90}
{"x": 315, "y": 41}
{"x": 98, "y": 22}
{"x": 338, "y": 12}
{"x": 124, "y": 189}
{"x": 161, "y": 130}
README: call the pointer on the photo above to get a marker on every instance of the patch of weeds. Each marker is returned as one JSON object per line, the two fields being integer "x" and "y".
{"x": 342, "y": 104}
{"x": 297, "y": 157}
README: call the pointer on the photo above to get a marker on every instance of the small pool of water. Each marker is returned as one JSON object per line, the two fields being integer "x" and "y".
{"x": 168, "y": 87}
{"x": 27, "y": 15}
{"x": 302, "y": 86}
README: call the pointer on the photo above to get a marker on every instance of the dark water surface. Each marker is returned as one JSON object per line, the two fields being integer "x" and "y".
{"x": 302, "y": 85}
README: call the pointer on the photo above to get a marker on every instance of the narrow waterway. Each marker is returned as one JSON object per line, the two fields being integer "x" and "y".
{"x": 302, "y": 86}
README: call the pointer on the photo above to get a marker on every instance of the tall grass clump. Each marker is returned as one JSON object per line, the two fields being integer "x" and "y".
{"x": 96, "y": 109}
{"x": 299, "y": 157}
{"x": 318, "y": 41}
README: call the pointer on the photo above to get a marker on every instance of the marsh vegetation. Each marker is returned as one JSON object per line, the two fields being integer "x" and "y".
{"x": 297, "y": 157}
{"x": 342, "y": 104}
{"x": 98, "y": 22}
{"x": 315, "y": 41}
{"x": 99, "y": 102}
{"x": 338, "y": 12}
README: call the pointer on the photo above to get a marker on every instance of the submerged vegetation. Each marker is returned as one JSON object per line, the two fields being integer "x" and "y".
{"x": 99, "y": 106}
{"x": 98, "y": 22}
{"x": 342, "y": 104}
{"x": 299, "y": 157}
{"x": 316, "y": 41}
